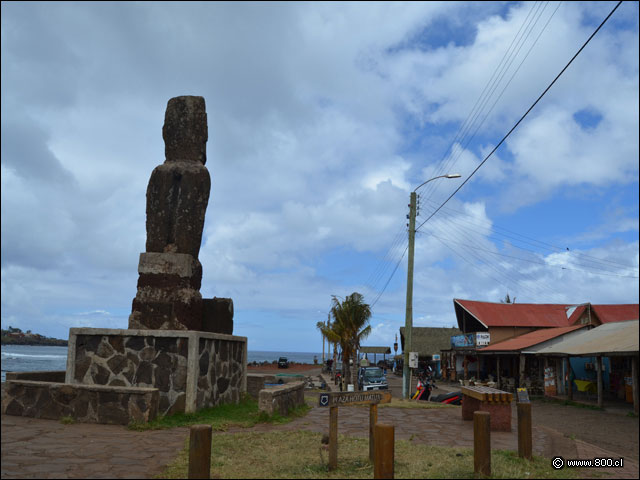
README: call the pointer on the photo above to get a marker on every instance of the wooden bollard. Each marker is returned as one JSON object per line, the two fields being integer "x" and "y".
{"x": 384, "y": 451}
{"x": 525, "y": 443}
{"x": 481, "y": 443}
{"x": 200, "y": 451}
{"x": 373, "y": 420}
{"x": 333, "y": 438}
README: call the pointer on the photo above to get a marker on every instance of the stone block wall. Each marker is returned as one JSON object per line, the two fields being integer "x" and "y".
{"x": 221, "y": 372}
{"x": 191, "y": 370}
{"x": 256, "y": 382}
{"x": 282, "y": 398}
{"x": 84, "y": 403}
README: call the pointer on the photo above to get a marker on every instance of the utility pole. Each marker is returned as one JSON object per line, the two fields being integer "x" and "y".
{"x": 408, "y": 319}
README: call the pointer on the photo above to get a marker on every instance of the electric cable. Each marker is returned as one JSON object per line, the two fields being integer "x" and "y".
{"x": 597, "y": 263}
{"x": 523, "y": 116}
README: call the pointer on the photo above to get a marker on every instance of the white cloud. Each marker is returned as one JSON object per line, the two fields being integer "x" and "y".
{"x": 322, "y": 118}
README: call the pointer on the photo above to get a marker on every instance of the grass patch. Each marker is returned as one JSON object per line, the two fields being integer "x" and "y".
{"x": 67, "y": 420}
{"x": 244, "y": 414}
{"x": 298, "y": 455}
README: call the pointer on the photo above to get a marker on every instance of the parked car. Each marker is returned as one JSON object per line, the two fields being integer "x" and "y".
{"x": 283, "y": 362}
{"x": 372, "y": 378}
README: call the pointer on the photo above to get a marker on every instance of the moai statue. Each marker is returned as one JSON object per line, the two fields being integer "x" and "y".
{"x": 168, "y": 296}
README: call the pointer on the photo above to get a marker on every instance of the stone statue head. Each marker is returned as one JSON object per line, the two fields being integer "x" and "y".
{"x": 185, "y": 130}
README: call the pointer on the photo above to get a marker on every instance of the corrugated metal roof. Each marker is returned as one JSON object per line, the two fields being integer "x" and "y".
{"x": 376, "y": 350}
{"x": 616, "y": 313}
{"x": 492, "y": 314}
{"x": 530, "y": 339}
{"x": 519, "y": 314}
{"x": 609, "y": 338}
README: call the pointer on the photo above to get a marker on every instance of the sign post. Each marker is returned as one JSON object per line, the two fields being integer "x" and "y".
{"x": 344, "y": 399}
{"x": 413, "y": 363}
{"x": 523, "y": 405}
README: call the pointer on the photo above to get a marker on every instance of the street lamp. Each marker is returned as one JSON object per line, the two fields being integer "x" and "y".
{"x": 408, "y": 321}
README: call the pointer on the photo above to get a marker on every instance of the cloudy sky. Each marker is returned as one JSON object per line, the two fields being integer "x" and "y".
{"x": 323, "y": 117}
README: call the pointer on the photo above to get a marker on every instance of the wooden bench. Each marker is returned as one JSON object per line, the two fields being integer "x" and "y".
{"x": 487, "y": 399}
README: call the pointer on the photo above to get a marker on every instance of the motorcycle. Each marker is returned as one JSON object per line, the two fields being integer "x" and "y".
{"x": 451, "y": 398}
{"x": 423, "y": 389}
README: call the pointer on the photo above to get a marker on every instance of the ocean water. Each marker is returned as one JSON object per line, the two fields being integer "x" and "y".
{"x": 34, "y": 358}
{"x": 27, "y": 358}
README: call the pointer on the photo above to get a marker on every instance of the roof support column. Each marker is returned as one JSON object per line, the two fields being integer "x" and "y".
{"x": 498, "y": 372}
{"x": 567, "y": 362}
{"x": 599, "y": 376}
{"x": 522, "y": 368}
{"x": 634, "y": 384}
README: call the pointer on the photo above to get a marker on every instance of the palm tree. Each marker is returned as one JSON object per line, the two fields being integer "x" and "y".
{"x": 350, "y": 327}
{"x": 326, "y": 331}
{"x": 507, "y": 299}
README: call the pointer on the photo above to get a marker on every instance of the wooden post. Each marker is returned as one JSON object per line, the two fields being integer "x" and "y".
{"x": 521, "y": 371}
{"x": 333, "y": 438}
{"x": 498, "y": 372}
{"x": 567, "y": 363}
{"x": 599, "y": 376}
{"x": 525, "y": 443}
{"x": 373, "y": 420}
{"x": 634, "y": 382}
{"x": 200, "y": 451}
{"x": 481, "y": 443}
{"x": 384, "y": 452}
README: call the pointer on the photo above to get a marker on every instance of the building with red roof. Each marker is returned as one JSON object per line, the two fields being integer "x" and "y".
{"x": 500, "y": 339}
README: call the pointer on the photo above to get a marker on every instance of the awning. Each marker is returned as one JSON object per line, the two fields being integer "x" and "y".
{"x": 618, "y": 338}
{"x": 377, "y": 350}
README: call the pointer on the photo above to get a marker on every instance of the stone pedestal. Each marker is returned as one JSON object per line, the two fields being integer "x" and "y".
{"x": 217, "y": 315}
{"x": 191, "y": 370}
{"x": 168, "y": 296}
{"x": 118, "y": 376}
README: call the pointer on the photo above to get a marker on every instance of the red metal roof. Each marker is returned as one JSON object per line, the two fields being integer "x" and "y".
{"x": 518, "y": 314}
{"x": 616, "y": 313}
{"x": 530, "y": 339}
{"x": 543, "y": 315}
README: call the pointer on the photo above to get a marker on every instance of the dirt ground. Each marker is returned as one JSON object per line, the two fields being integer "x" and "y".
{"x": 611, "y": 430}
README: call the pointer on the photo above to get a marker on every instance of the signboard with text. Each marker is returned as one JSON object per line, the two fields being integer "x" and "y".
{"x": 523, "y": 395}
{"x": 471, "y": 340}
{"x": 459, "y": 341}
{"x": 413, "y": 359}
{"x": 345, "y": 399}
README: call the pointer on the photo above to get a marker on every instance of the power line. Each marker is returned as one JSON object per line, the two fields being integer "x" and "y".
{"x": 388, "y": 257}
{"x": 476, "y": 247}
{"x": 468, "y": 140}
{"x": 510, "y": 54}
{"x": 390, "y": 277}
{"x": 523, "y": 116}
{"x": 536, "y": 289}
{"x": 507, "y": 61}
{"x": 488, "y": 230}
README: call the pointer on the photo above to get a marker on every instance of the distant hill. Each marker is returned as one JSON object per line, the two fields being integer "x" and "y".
{"x": 15, "y": 336}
